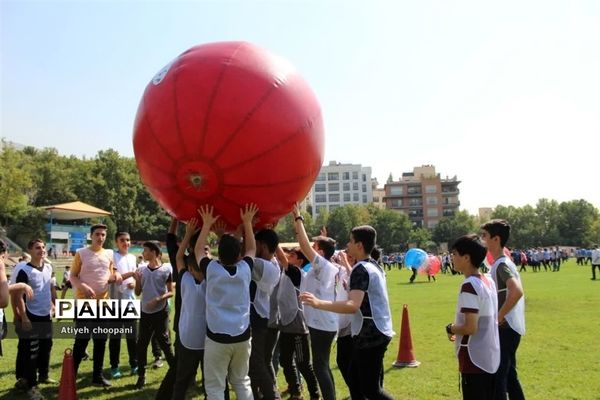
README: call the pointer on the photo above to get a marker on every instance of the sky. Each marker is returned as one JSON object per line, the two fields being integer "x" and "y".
{"x": 503, "y": 95}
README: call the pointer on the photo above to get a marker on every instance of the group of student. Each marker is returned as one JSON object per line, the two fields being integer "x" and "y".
{"x": 230, "y": 312}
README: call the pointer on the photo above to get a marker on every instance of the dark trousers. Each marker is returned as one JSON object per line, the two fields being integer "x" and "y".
{"x": 506, "y": 379}
{"x": 366, "y": 370}
{"x": 114, "y": 344}
{"x": 81, "y": 342}
{"x": 594, "y": 266}
{"x": 156, "y": 324}
{"x": 33, "y": 350}
{"x": 188, "y": 361}
{"x": 344, "y": 357}
{"x": 272, "y": 352}
{"x": 295, "y": 347}
{"x": 260, "y": 376}
{"x": 155, "y": 348}
{"x": 320, "y": 345}
{"x": 477, "y": 386}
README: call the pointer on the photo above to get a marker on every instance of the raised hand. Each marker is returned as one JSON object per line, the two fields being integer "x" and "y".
{"x": 206, "y": 213}
{"x": 219, "y": 228}
{"x": 191, "y": 227}
{"x": 248, "y": 213}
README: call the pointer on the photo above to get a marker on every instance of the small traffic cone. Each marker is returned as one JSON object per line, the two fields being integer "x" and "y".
{"x": 67, "y": 390}
{"x": 406, "y": 357}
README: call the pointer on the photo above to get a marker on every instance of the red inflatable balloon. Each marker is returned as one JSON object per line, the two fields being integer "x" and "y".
{"x": 227, "y": 124}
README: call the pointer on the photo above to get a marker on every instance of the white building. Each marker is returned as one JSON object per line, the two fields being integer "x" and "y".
{"x": 341, "y": 184}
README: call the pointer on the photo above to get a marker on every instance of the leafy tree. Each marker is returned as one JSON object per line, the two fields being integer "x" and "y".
{"x": 343, "y": 219}
{"x": 420, "y": 237}
{"x": 15, "y": 185}
{"x": 548, "y": 213}
{"x": 450, "y": 228}
{"x": 575, "y": 222}
{"x": 393, "y": 228}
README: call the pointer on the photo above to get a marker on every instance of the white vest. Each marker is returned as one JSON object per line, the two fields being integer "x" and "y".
{"x": 378, "y": 301}
{"x": 265, "y": 286}
{"x": 516, "y": 316}
{"x": 192, "y": 320}
{"x": 484, "y": 345}
{"x": 320, "y": 281}
{"x": 287, "y": 299}
{"x": 228, "y": 298}
{"x": 341, "y": 294}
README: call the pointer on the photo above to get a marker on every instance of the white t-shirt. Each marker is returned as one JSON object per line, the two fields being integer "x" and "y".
{"x": 123, "y": 264}
{"x": 320, "y": 281}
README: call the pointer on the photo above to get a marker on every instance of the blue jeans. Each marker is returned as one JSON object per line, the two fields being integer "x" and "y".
{"x": 507, "y": 380}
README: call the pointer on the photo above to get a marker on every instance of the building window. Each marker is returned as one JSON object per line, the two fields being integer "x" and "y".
{"x": 432, "y": 212}
{"x": 320, "y": 198}
{"x": 334, "y": 197}
{"x": 431, "y": 200}
{"x": 432, "y": 223}
{"x": 375, "y": 199}
{"x": 333, "y": 187}
{"x": 415, "y": 202}
{"x": 354, "y": 196}
{"x": 364, "y": 188}
{"x": 396, "y": 203}
{"x": 346, "y": 186}
{"x": 320, "y": 187}
{"x": 414, "y": 190}
{"x": 364, "y": 198}
{"x": 333, "y": 207}
{"x": 346, "y": 176}
{"x": 354, "y": 185}
{"x": 354, "y": 174}
{"x": 333, "y": 176}
{"x": 431, "y": 189}
{"x": 364, "y": 177}
{"x": 346, "y": 196}
{"x": 321, "y": 176}
{"x": 396, "y": 190}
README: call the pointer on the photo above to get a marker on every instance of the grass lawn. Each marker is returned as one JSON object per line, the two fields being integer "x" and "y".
{"x": 558, "y": 357}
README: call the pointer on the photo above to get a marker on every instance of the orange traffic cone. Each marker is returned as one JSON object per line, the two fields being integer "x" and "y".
{"x": 406, "y": 357}
{"x": 67, "y": 390}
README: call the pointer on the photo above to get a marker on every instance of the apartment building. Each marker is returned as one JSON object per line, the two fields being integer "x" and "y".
{"x": 341, "y": 184}
{"x": 423, "y": 195}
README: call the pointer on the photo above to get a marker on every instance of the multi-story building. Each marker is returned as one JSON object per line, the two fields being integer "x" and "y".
{"x": 341, "y": 184}
{"x": 423, "y": 196}
{"x": 378, "y": 194}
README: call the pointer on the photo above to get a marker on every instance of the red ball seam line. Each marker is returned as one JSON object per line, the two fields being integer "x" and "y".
{"x": 244, "y": 121}
{"x": 158, "y": 143}
{"x": 213, "y": 95}
{"x": 266, "y": 151}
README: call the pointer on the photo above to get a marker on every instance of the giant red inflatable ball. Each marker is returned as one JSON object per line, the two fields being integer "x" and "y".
{"x": 227, "y": 124}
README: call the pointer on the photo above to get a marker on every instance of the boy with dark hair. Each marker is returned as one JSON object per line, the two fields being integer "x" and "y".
{"x": 511, "y": 312}
{"x": 92, "y": 270}
{"x": 371, "y": 324}
{"x": 320, "y": 280}
{"x": 33, "y": 314}
{"x": 126, "y": 265}
{"x": 227, "y": 344}
{"x": 265, "y": 276}
{"x": 474, "y": 330}
{"x": 154, "y": 282}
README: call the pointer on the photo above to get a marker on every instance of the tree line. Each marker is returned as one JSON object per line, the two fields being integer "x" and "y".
{"x": 32, "y": 178}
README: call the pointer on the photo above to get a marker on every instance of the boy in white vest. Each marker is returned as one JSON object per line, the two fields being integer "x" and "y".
{"x": 320, "y": 281}
{"x": 35, "y": 328}
{"x": 265, "y": 276}
{"x": 93, "y": 268}
{"x": 154, "y": 282}
{"x": 474, "y": 330}
{"x": 227, "y": 344}
{"x": 126, "y": 265}
{"x": 511, "y": 312}
{"x": 371, "y": 324}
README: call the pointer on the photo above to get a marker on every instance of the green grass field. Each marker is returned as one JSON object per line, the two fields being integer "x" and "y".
{"x": 558, "y": 357}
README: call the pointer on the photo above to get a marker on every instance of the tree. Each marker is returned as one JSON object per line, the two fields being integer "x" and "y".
{"x": 420, "y": 237}
{"x": 343, "y": 219}
{"x": 15, "y": 185}
{"x": 393, "y": 228}
{"x": 547, "y": 212}
{"x": 575, "y": 222}
{"x": 450, "y": 228}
